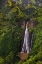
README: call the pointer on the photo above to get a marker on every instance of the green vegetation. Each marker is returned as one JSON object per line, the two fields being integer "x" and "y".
{"x": 10, "y": 34}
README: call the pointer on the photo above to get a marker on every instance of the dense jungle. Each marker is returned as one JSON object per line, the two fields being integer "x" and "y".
{"x": 12, "y": 18}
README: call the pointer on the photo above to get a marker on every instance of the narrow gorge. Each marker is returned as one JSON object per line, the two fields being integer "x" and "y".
{"x": 26, "y": 44}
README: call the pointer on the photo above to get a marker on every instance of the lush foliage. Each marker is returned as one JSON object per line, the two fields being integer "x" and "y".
{"x": 35, "y": 56}
{"x": 10, "y": 34}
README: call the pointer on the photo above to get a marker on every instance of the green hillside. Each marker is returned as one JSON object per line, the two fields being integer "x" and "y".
{"x": 11, "y": 18}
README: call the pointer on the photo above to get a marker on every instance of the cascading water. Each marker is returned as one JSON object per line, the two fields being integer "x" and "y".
{"x": 25, "y": 48}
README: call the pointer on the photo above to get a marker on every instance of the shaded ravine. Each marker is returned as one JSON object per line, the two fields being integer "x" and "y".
{"x": 26, "y": 44}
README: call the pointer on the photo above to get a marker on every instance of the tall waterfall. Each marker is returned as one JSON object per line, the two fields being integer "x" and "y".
{"x": 25, "y": 48}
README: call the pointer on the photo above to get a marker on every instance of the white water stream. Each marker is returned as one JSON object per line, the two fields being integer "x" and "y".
{"x": 25, "y": 48}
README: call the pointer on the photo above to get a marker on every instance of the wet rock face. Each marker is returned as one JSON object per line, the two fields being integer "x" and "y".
{"x": 23, "y": 25}
{"x": 31, "y": 24}
{"x": 2, "y": 3}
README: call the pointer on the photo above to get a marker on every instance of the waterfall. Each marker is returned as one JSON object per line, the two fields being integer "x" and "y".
{"x": 25, "y": 47}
